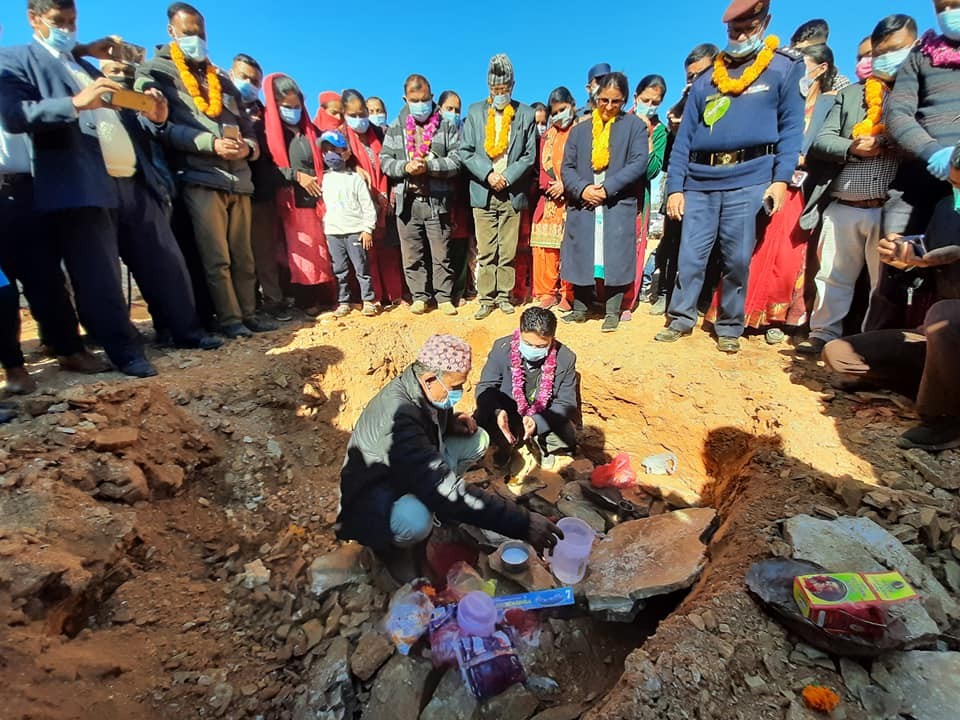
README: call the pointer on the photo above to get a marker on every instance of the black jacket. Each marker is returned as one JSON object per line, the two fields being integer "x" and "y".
{"x": 395, "y": 451}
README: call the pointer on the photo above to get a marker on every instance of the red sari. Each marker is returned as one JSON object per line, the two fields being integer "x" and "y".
{"x": 307, "y": 253}
{"x": 385, "y": 263}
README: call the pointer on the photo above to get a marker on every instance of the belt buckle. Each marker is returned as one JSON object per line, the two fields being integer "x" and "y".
{"x": 725, "y": 158}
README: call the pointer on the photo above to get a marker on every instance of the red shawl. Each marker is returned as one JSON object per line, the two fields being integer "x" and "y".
{"x": 307, "y": 252}
{"x": 324, "y": 120}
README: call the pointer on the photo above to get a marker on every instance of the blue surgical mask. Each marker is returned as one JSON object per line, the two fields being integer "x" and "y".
{"x": 533, "y": 354}
{"x": 646, "y": 109}
{"x": 193, "y": 46}
{"x": 806, "y": 85}
{"x": 452, "y": 399}
{"x": 378, "y": 119}
{"x": 334, "y": 161}
{"x": 451, "y": 117}
{"x": 248, "y": 91}
{"x": 421, "y": 111}
{"x": 888, "y": 63}
{"x": 950, "y": 23}
{"x": 500, "y": 102}
{"x": 58, "y": 39}
{"x": 291, "y": 116}
{"x": 358, "y": 124}
{"x": 746, "y": 48}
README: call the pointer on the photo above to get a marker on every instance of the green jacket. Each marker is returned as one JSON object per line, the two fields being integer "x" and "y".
{"x": 521, "y": 154}
{"x": 189, "y": 134}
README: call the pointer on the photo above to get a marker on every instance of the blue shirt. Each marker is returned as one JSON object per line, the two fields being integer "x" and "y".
{"x": 770, "y": 112}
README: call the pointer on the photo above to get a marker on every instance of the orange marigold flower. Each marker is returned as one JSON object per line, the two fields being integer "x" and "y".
{"x": 820, "y": 699}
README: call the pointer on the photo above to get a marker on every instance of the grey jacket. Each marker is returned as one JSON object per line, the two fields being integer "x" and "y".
{"x": 443, "y": 164}
{"x": 521, "y": 154}
{"x": 189, "y": 134}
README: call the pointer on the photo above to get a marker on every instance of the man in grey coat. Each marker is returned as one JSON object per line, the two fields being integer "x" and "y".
{"x": 423, "y": 182}
{"x": 500, "y": 168}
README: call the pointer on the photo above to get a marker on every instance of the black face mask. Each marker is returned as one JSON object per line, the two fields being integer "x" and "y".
{"x": 122, "y": 80}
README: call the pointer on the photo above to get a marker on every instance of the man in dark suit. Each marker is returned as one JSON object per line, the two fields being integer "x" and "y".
{"x": 528, "y": 391}
{"x": 95, "y": 180}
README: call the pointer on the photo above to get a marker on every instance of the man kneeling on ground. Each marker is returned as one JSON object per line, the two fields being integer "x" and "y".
{"x": 406, "y": 460}
{"x": 528, "y": 391}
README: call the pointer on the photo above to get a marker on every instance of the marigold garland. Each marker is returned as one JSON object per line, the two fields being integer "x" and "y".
{"x": 730, "y": 86}
{"x": 211, "y": 107}
{"x": 601, "y": 141}
{"x": 494, "y": 147}
{"x": 821, "y": 699}
{"x": 873, "y": 95}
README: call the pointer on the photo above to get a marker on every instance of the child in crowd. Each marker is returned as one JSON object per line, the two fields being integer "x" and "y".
{"x": 349, "y": 222}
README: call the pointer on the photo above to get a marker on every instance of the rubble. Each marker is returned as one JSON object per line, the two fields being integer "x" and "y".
{"x": 338, "y": 569}
{"x": 373, "y": 650}
{"x": 398, "y": 692}
{"x": 925, "y": 685}
{"x": 452, "y": 700}
{"x": 114, "y": 439}
{"x": 517, "y": 703}
{"x": 330, "y": 694}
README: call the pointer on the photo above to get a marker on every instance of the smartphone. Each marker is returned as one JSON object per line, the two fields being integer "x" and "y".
{"x": 130, "y": 100}
{"x": 130, "y": 53}
{"x": 799, "y": 178}
{"x": 232, "y": 132}
{"x": 769, "y": 204}
{"x": 918, "y": 241}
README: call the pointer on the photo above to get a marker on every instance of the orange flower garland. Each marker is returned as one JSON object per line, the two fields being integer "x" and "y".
{"x": 213, "y": 107}
{"x": 728, "y": 86}
{"x": 873, "y": 94}
{"x": 600, "y": 156}
{"x": 820, "y": 699}
{"x": 494, "y": 148}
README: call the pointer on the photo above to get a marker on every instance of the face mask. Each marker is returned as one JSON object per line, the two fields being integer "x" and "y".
{"x": 453, "y": 397}
{"x": 956, "y": 200}
{"x": 533, "y": 354}
{"x": 541, "y": 129}
{"x": 888, "y": 63}
{"x": 358, "y": 124}
{"x": 194, "y": 47}
{"x": 451, "y": 117}
{"x": 746, "y": 48}
{"x": 646, "y": 109}
{"x": 248, "y": 91}
{"x": 124, "y": 80}
{"x": 378, "y": 119}
{"x": 865, "y": 68}
{"x": 421, "y": 111}
{"x": 806, "y": 85}
{"x": 501, "y": 101}
{"x": 58, "y": 39}
{"x": 334, "y": 161}
{"x": 291, "y": 116}
{"x": 950, "y": 23}
{"x": 563, "y": 118}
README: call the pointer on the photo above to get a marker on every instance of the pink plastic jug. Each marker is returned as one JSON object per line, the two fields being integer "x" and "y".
{"x": 477, "y": 615}
{"x": 569, "y": 558}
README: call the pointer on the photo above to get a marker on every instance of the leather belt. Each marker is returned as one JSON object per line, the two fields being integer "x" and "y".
{"x": 865, "y": 204}
{"x": 732, "y": 157}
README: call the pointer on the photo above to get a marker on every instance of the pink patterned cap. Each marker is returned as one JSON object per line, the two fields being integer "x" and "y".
{"x": 447, "y": 353}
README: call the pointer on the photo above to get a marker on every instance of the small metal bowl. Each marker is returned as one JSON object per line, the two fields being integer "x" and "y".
{"x": 510, "y": 556}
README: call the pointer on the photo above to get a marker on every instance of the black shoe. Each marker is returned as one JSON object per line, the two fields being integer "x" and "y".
{"x": 278, "y": 311}
{"x": 235, "y": 331}
{"x": 507, "y": 308}
{"x": 575, "y": 316}
{"x": 259, "y": 324}
{"x": 669, "y": 335}
{"x": 200, "y": 342}
{"x": 812, "y": 346}
{"x": 933, "y": 436}
{"x": 484, "y": 312}
{"x": 728, "y": 345}
{"x": 610, "y": 324}
{"x": 140, "y": 368}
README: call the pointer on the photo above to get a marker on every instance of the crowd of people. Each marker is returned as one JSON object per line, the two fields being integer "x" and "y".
{"x": 796, "y": 200}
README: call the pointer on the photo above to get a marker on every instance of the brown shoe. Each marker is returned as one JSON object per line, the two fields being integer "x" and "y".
{"x": 84, "y": 362}
{"x": 19, "y": 382}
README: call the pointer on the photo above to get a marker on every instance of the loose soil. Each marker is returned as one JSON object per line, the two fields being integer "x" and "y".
{"x": 154, "y": 624}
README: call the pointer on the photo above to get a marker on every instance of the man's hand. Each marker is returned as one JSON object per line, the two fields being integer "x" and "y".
{"x": 555, "y": 190}
{"x": 594, "y": 195}
{"x": 503, "y": 422}
{"x": 497, "y": 181}
{"x": 676, "y": 206}
{"x": 309, "y": 183}
{"x": 91, "y": 97}
{"x": 866, "y": 147}
{"x": 897, "y": 253}
{"x": 529, "y": 428}
{"x": 543, "y": 534}
{"x": 161, "y": 111}
{"x": 416, "y": 167}
{"x": 230, "y": 149}
{"x": 777, "y": 191}
{"x": 103, "y": 49}
{"x": 464, "y": 424}
{"x": 366, "y": 240}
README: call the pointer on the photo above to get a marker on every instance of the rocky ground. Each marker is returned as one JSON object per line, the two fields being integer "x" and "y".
{"x": 156, "y": 537}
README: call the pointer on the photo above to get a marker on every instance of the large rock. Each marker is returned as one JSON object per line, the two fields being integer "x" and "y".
{"x": 338, "y": 569}
{"x": 860, "y": 545}
{"x": 517, "y": 703}
{"x": 927, "y": 684}
{"x": 645, "y": 558}
{"x": 675, "y": 490}
{"x": 399, "y": 690}
{"x": 114, "y": 439}
{"x": 330, "y": 694}
{"x": 373, "y": 650}
{"x": 452, "y": 700}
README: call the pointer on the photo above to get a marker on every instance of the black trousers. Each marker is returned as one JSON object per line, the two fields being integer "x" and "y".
{"x": 584, "y": 295}
{"x": 183, "y": 232}
{"x": 10, "y": 354}
{"x": 425, "y": 247}
{"x": 148, "y": 247}
{"x": 560, "y": 438}
{"x": 29, "y": 252}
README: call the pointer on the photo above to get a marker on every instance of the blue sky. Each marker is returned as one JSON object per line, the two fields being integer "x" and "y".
{"x": 550, "y": 43}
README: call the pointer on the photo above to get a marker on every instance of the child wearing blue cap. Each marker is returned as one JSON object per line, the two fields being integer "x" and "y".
{"x": 349, "y": 222}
